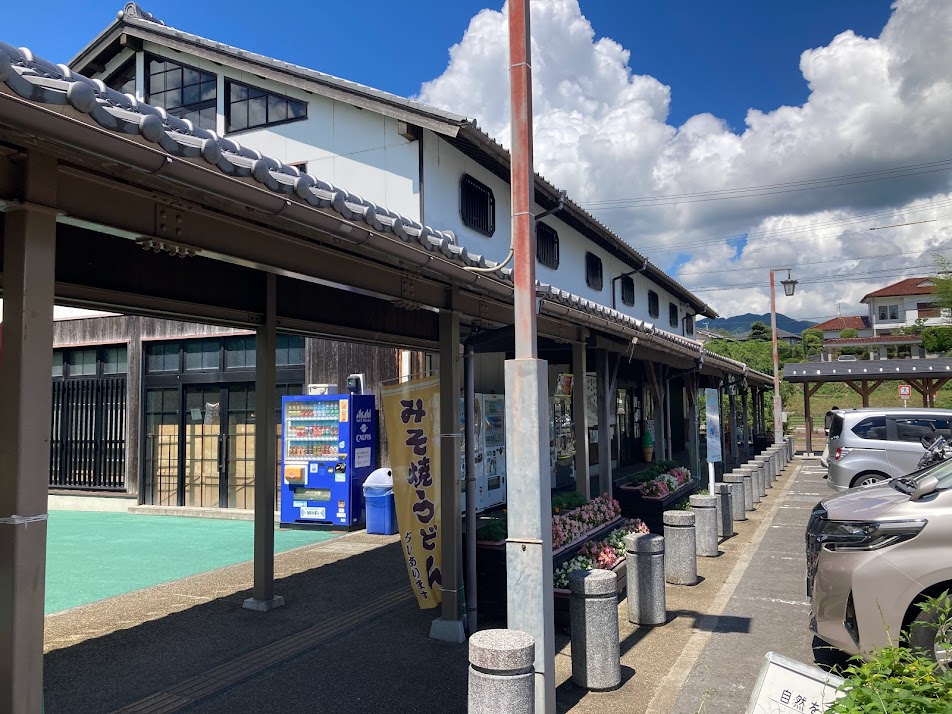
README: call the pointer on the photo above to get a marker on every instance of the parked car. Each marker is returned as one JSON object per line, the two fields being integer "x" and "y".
{"x": 870, "y": 445}
{"x": 846, "y": 358}
{"x": 873, "y": 554}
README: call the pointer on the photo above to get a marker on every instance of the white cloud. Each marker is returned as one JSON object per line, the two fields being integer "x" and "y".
{"x": 602, "y": 133}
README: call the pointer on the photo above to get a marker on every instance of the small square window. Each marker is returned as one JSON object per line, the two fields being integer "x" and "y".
{"x": 653, "y": 306}
{"x": 628, "y": 290}
{"x": 202, "y": 354}
{"x": 57, "y": 364}
{"x": 115, "y": 360}
{"x": 547, "y": 246}
{"x": 477, "y": 205}
{"x": 672, "y": 314}
{"x": 689, "y": 324}
{"x": 240, "y": 352}
{"x": 162, "y": 357}
{"x": 593, "y": 271}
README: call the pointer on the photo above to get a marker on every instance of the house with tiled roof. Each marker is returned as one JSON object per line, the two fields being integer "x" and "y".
{"x": 881, "y": 331}
{"x": 901, "y": 305}
{"x": 833, "y": 328}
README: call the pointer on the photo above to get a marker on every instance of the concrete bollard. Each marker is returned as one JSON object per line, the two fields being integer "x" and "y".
{"x": 705, "y": 525}
{"x": 596, "y": 659}
{"x": 778, "y": 462}
{"x": 749, "y": 500}
{"x": 646, "y": 602}
{"x": 501, "y": 672}
{"x": 725, "y": 520}
{"x": 760, "y": 479}
{"x": 768, "y": 466}
{"x": 680, "y": 561}
{"x": 738, "y": 499}
{"x": 755, "y": 491}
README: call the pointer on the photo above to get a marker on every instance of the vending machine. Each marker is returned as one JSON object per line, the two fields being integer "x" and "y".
{"x": 491, "y": 445}
{"x": 328, "y": 448}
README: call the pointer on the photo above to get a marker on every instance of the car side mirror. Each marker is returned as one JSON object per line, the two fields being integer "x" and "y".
{"x": 924, "y": 487}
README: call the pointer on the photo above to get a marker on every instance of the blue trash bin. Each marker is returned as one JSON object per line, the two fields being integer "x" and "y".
{"x": 381, "y": 512}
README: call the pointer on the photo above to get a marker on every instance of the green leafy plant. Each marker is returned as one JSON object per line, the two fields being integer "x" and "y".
{"x": 903, "y": 679}
{"x": 566, "y": 501}
{"x": 494, "y": 530}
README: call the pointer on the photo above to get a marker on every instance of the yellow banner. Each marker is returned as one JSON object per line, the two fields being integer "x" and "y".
{"x": 412, "y": 415}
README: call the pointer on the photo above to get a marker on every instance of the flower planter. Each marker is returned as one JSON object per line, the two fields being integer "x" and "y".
{"x": 563, "y": 596}
{"x": 649, "y": 510}
{"x": 491, "y": 566}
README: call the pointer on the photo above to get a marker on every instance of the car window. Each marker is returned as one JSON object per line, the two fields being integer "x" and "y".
{"x": 871, "y": 428}
{"x": 914, "y": 429}
{"x": 836, "y": 426}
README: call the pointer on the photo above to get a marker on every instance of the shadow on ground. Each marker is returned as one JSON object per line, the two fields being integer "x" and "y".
{"x": 385, "y": 663}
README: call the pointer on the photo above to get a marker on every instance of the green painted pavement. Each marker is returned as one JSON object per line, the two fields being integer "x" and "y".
{"x": 91, "y": 556}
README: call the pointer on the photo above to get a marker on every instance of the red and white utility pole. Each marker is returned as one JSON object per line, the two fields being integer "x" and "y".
{"x": 529, "y": 545}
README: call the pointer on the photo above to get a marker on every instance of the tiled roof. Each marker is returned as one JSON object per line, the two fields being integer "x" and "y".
{"x": 846, "y": 322}
{"x": 909, "y": 286}
{"x": 45, "y": 83}
{"x": 906, "y": 339}
{"x": 447, "y": 123}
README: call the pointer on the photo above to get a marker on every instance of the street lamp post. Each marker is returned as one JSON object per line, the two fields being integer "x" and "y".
{"x": 789, "y": 285}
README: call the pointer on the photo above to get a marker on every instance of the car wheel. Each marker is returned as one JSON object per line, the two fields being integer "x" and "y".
{"x": 827, "y": 657}
{"x": 932, "y": 634}
{"x": 867, "y": 479}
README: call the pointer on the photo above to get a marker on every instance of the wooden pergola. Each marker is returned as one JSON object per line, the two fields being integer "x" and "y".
{"x": 926, "y": 376}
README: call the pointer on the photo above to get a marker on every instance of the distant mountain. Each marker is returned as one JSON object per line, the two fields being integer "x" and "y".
{"x": 742, "y": 323}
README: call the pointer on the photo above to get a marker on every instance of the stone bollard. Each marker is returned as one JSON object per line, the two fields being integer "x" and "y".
{"x": 760, "y": 479}
{"x": 705, "y": 525}
{"x": 738, "y": 499}
{"x": 756, "y": 493}
{"x": 501, "y": 672}
{"x": 596, "y": 659}
{"x": 725, "y": 519}
{"x": 778, "y": 462}
{"x": 749, "y": 499}
{"x": 645, "y": 573}
{"x": 680, "y": 561}
{"x": 768, "y": 467}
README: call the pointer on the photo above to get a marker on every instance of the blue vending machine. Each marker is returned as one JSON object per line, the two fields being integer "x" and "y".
{"x": 328, "y": 448}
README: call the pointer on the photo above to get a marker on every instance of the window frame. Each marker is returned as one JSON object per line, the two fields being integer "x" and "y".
{"x": 477, "y": 185}
{"x": 553, "y": 237}
{"x": 674, "y": 314}
{"x": 193, "y": 107}
{"x": 593, "y": 265}
{"x": 120, "y": 70}
{"x": 628, "y": 290}
{"x": 655, "y": 310}
{"x": 689, "y": 324}
{"x": 229, "y": 83}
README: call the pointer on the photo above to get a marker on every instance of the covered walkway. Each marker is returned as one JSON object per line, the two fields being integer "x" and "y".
{"x": 114, "y": 205}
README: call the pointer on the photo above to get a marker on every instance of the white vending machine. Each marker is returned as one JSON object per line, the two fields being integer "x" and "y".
{"x": 491, "y": 445}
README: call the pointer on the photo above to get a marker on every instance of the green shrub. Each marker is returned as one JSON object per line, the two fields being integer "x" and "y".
{"x": 566, "y": 501}
{"x": 901, "y": 679}
{"x": 494, "y": 530}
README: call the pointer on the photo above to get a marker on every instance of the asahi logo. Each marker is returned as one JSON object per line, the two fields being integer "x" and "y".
{"x": 363, "y": 415}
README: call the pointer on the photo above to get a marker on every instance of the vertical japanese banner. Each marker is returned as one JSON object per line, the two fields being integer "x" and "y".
{"x": 412, "y": 415}
{"x": 712, "y": 403}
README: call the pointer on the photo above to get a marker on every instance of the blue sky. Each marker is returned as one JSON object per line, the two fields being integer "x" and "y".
{"x": 702, "y": 49}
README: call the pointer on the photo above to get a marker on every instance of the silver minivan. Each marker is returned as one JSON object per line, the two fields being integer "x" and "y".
{"x": 866, "y": 446}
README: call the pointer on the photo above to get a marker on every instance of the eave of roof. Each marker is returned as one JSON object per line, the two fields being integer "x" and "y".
{"x": 442, "y": 122}
{"x": 867, "y": 370}
{"x": 29, "y": 81}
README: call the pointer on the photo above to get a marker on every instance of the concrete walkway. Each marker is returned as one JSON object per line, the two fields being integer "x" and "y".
{"x": 352, "y": 640}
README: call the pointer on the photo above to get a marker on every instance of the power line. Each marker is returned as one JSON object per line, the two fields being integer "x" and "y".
{"x": 810, "y": 262}
{"x": 789, "y": 230}
{"x": 771, "y": 189}
{"x": 813, "y": 281}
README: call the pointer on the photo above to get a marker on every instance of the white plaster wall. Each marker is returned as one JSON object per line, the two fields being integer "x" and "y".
{"x": 444, "y": 166}
{"x": 355, "y": 149}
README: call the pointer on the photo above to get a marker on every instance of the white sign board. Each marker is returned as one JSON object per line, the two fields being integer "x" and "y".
{"x": 712, "y": 401}
{"x": 786, "y": 686}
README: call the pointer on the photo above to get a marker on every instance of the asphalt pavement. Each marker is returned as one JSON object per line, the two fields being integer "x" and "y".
{"x": 351, "y": 639}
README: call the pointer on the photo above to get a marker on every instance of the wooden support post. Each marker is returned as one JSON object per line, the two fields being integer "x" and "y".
{"x": 603, "y": 377}
{"x": 29, "y": 258}
{"x": 579, "y": 420}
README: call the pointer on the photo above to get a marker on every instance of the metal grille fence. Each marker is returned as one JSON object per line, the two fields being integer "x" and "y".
{"x": 87, "y": 434}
